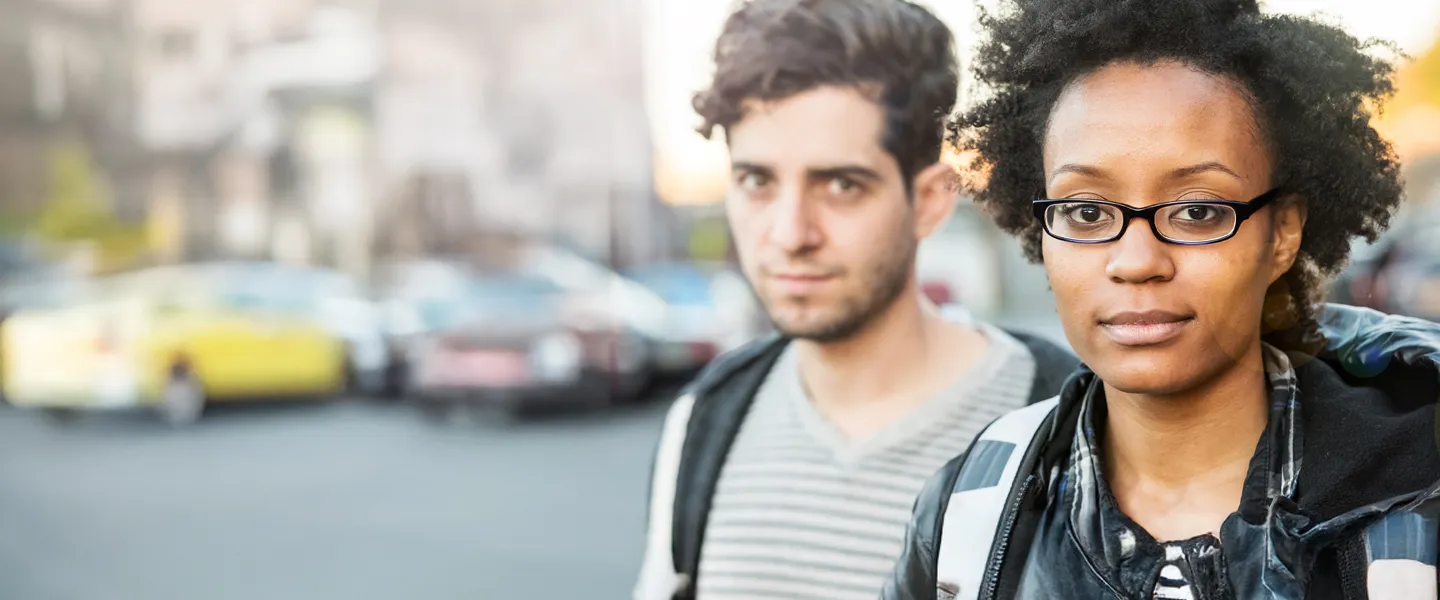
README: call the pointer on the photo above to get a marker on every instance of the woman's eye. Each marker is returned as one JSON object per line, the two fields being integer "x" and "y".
{"x": 1085, "y": 213}
{"x": 1198, "y": 212}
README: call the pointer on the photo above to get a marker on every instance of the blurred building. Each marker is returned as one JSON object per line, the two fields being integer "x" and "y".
{"x": 255, "y": 115}
{"x": 516, "y": 116}
{"x": 67, "y": 81}
{"x": 333, "y": 131}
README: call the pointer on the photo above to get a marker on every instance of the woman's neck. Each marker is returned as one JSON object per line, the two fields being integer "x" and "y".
{"x": 1177, "y": 463}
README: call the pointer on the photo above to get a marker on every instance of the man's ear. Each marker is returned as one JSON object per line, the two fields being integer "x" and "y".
{"x": 935, "y": 191}
{"x": 1288, "y": 225}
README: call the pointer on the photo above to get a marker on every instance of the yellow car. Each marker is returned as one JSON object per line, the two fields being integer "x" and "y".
{"x": 171, "y": 347}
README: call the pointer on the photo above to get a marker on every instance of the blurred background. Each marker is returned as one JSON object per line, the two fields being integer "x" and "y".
{"x": 386, "y": 298}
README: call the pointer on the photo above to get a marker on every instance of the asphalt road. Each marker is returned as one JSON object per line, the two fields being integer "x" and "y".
{"x": 348, "y": 500}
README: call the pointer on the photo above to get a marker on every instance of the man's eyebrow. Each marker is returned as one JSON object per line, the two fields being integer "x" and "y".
{"x": 1205, "y": 167}
{"x": 851, "y": 171}
{"x": 748, "y": 166}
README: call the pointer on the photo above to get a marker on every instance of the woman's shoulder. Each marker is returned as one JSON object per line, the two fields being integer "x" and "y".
{"x": 1368, "y": 407}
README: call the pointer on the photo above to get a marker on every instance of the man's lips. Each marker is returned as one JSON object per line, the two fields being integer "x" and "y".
{"x": 1146, "y": 328}
{"x": 800, "y": 283}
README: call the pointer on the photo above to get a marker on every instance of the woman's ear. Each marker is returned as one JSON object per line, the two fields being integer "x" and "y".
{"x": 1288, "y": 228}
{"x": 936, "y": 190}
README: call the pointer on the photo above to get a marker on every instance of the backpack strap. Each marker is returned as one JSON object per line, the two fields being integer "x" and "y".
{"x": 981, "y": 492}
{"x": 720, "y": 408}
{"x": 658, "y": 578}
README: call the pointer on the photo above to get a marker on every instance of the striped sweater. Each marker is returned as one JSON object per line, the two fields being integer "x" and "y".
{"x": 802, "y": 512}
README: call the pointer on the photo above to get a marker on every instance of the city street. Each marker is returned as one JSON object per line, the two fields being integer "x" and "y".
{"x": 351, "y": 500}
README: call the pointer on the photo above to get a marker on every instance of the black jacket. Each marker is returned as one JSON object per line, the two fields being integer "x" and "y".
{"x": 719, "y": 399}
{"x": 1369, "y": 447}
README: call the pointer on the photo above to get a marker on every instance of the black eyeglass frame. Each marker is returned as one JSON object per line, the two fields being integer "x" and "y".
{"x": 1243, "y": 211}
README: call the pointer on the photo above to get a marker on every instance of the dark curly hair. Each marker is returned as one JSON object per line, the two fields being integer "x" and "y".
{"x": 1313, "y": 88}
{"x": 895, "y": 50}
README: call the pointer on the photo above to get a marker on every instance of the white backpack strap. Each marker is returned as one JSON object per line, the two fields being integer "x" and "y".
{"x": 658, "y": 580}
{"x": 979, "y": 498}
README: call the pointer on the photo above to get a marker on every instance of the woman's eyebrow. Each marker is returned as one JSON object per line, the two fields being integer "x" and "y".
{"x": 1205, "y": 167}
{"x": 1078, "y": 169}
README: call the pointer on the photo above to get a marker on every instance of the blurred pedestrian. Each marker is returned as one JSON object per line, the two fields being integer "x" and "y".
{"x": 1187, "y": 170}
{"x": 788, "y": 469}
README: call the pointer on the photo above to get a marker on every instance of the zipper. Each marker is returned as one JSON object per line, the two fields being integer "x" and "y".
{"x": 997, "y": 555}
{"x": 1091, "y": 565}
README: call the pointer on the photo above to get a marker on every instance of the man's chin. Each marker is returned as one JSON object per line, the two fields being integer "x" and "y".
{"x": 817, "y": 329}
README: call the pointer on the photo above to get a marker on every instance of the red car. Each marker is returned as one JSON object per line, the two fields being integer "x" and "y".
{"x": 509, "y": 341}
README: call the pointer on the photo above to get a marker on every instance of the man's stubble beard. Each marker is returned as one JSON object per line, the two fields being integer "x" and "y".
{"x": 887, "y": 280}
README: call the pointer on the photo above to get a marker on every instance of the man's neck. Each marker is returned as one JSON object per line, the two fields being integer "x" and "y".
{"x": 903, "y": 357}
{"x": 1177, "y": 464}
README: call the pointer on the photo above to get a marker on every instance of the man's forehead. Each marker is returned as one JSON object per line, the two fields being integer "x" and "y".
{"x": 822, "y": 128}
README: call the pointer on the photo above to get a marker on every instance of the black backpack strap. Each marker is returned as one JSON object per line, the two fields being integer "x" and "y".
{"x": 1053, "y": 365}
{"x": 723, "y": 394}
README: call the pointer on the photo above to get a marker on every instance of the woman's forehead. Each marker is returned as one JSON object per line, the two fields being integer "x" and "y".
{"x": 1144, "y": 116}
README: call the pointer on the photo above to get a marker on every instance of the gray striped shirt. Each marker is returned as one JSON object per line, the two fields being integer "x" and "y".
{"x": 802, "y": 512}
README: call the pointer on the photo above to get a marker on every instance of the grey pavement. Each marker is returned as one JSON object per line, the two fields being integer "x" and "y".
{"x": 348, "y": 500}
{"x": 351, "y": 500}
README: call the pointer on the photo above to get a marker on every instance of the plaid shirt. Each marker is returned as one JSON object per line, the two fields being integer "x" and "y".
{"x": 1136, "y": 564}
{"x": 1268, "y": 526}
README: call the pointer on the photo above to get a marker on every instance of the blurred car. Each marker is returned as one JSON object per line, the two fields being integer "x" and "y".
{"x": 332, "y": 300}
{"x": 709, "y": 310}
{"x": 1406, "y": 277}
{"x": 171, "y": 340}
{"x": 1356, "y": 285}
{"x": 509, "y": 339}
{"x": 960, "y": 263}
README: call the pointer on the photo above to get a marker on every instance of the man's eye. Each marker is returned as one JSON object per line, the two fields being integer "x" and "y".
{"x": 752, "y": 181}
{"x": 840, "y": 186}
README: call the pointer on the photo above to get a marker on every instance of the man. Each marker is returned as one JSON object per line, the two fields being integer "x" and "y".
{"x": 789, "y": 467}
{"x": 1186, "y": 169}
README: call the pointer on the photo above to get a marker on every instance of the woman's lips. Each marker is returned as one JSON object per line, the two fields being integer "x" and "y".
{"x": 1144, "y": 329}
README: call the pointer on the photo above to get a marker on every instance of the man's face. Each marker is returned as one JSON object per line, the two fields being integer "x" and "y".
{"x": 1147, "y": 316}
{"x": 823, "y": 224}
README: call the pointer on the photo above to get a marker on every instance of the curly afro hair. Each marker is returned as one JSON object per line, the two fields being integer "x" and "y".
{"x": 1313, "y": 88}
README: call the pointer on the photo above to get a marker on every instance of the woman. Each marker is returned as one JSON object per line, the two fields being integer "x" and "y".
{"x": 1189, "y": 171}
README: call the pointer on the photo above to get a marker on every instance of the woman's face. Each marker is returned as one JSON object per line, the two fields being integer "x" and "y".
{"x": 1147, "y": 316}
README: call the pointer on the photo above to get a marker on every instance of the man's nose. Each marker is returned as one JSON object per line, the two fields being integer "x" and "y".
{"x": 1139, "y": 256}
{"x": 794, "y": 226}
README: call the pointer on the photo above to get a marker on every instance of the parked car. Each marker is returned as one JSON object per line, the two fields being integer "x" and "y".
{"x": 35, "y": 288}
{"x": 709, "y": 309}
{"x": 960, "y": 263}
{"x": 511, "y": 339}
{"x": 332, "y": 300}
{"x": 1357, "y": 284}
{"x": 172, "y": 340}
{"x": 1407, "y": 278}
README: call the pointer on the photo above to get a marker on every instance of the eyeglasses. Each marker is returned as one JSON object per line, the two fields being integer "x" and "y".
{"x": 1184, "y": 222}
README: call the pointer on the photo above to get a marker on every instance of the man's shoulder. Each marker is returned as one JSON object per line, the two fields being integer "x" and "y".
{"x": 1054, "y": 364}
{"x": 758, "y": 353}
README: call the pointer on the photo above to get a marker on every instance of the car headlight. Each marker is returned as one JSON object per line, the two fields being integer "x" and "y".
{"x": 557, "y": 356}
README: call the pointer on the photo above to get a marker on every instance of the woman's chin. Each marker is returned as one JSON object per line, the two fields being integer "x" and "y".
{"x": 1150, "y": 375}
